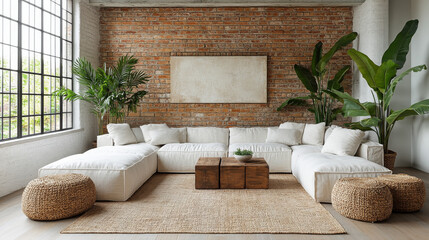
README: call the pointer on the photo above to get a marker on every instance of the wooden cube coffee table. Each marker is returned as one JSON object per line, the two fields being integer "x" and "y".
{"x": 252, "y": 174}
{"x": 229, "y": 173}
{"x": 207, "y": 173}
{"x": 232, "y": 174}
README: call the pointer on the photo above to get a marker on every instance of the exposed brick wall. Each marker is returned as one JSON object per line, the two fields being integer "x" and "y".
{"x": 286, "y": 35}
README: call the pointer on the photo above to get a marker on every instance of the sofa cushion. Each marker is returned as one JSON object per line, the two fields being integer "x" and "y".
{"x": 121, "y": 133}
{"x": 117, "y": 171}
{"x": 294, "y": 125}
{"x": 285, "y": 136}
{"x": 277, "y": 155}
{"x": 247, "y": 135}
{"x": 182, "y": 157}
{"x": 313, "y": 134}
{"x": 328, "y": 131}
{"x": 139, "y": 134}
{"x": 317, "y": 172}
{"x": 207, "y": 135}
{"x": 164, "y": 136}
{"x": 182, "y": 134}
{"x": 139, "y": 148}
{"x": 149, "y": 127}
{"x": 343, "y": 141}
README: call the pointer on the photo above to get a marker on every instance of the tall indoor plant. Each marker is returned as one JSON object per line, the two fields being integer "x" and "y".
{"x": 110, "y": 91}
{"x": 314, "y": 80}
{"x": 383, "y": 80}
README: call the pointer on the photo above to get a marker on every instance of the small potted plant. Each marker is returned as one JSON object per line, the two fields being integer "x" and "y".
{"x": 243, "y": 155}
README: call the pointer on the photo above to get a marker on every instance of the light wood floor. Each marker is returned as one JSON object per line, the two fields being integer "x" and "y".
{"x": 15, "y": 225}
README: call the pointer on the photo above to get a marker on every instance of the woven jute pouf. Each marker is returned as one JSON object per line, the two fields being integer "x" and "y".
{"x": 58, "y": 196}
{"x": 408, "y": 192}
{"x": 363, "y": 199}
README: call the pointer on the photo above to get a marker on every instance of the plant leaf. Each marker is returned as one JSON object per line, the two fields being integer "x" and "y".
{"x": 335, "y": 83}
{"x": 398, "y": 49}
{"x": 297, "y": 101}
{"x": 385, "y": 73}
{"x": 365, "y": 65}
{"x": 418, "y": 108}
{"x": 389, "y": 93}
{"x": 342, "y": 42}
{"x": 358, "y": 125}
{"x": 306, "y": 78}
{"x": 370, "y": 122}
{"x": 317, "y": 55}
{"x": 352, "y": 107}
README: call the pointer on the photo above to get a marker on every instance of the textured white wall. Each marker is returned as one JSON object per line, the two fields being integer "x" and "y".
{"x": 420, "y": 84}
{"x": 20, "y": 161}
{"x": 370, "y": 21}
{"x": 400, "y": 140}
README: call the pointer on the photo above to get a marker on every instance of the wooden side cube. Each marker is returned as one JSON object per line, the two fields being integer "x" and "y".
{"x": 207, "y": 173}
{"x": 257, "y": 174}
{"x": 232, "y": 174}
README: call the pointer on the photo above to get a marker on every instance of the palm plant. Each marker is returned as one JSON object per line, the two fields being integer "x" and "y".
{"x": 383, "y": 80}
{"x": 95, "y": 91}
{"x": 124, "y": 79}
{"x": 314, "y": 80}
{"x": 109, "y": 90}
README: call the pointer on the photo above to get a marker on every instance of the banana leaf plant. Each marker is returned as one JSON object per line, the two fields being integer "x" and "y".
{"x": 383, "y": 79}
{"x": 323, "y": 100}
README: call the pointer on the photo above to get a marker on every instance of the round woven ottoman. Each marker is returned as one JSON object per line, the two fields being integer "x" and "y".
{"x": 408, "y": 192}
{"x": 363, "y": 199}
{"x": 58, "y": 196}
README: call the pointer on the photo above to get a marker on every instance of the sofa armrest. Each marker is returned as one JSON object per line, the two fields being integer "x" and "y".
{"x": 372, "y": 151}
{"x": 104, "y": 140}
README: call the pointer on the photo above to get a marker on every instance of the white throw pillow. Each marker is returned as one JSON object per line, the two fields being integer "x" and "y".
{"x": 121, "y": 133}
{"x": 293, "y": 125}
{"x": 138, "y": 133}
{"x": 313, "y": 134}
{"x": 286, "y": 136}
{"x": 164, "y": 136}
{"x": 148, "y": 127}
{"x": 343, "y": 141}
{"x": 329, "y": 131}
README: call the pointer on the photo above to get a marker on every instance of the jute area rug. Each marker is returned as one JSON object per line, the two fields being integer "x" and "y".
{"x": 169, "y": 203}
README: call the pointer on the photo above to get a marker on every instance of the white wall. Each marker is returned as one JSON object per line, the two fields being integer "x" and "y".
{"x": 370, "y": 21}
{"x": 20, "y": 159}
{"x": 420, "y": 84}
{"x": 400, "y": 140}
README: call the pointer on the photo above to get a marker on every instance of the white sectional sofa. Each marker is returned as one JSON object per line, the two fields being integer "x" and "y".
{"x": 118, "y": 171}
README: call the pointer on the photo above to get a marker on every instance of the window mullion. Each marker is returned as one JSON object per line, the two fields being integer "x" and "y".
{"x": 61, "y": 63}
{"x": 42, "y": 73}
{"x": 19, "y": 120}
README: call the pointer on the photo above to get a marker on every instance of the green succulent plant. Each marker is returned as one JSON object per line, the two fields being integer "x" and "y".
{"x": 240, "y": 152}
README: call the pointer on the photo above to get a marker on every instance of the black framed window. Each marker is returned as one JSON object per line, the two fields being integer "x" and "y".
{"x": 35, "y": 60}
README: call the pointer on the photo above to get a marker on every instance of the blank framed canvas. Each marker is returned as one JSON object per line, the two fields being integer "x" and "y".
{"x": 218, "y": 79}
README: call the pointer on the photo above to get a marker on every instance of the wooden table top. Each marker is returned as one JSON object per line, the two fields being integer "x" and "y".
{"x": 231, "y": 161}
{"x": 208, "y": 161}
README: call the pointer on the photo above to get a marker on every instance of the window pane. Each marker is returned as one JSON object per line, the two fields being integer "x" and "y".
{"x": 25, "y": 126}
{"x": 39, "y": 71}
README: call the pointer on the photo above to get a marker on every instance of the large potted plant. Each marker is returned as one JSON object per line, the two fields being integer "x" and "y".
{"x": 323, "y": 101}
{"x": 111, "y": 91}
{"x": 383, "y": 79}
{"x": 123, "y": 83}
